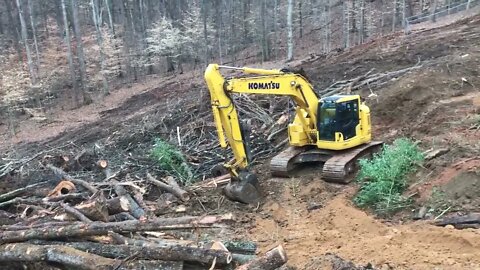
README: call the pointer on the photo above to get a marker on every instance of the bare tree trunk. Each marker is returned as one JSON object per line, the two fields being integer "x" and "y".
{"x": 96, "y": 21}
{"x": 275, "y": 28}
{"x": 205, "y": 33}
{"x": 362, "y": 22}
{"x": 80, "y": 53}
{"x": 34, "y": 31}
{"x": 435, "y": 3}
{"x": 263, "y": 11}
{"x": 25, "y": 42}
{"x": 394, "y": 16}
{"x": 290, "y": 30}
{"x": 300, "y": 18}
{"x": 69, "y": 55}
{"x": 327, "y": 26}
{"x": 468, "y": 4}
{"x": 346, "y": 24}
{"x": 13, "y": 29}
{"x": 110, "y": 18}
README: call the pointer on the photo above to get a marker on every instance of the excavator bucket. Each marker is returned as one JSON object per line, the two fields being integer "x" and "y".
{"x": 244, "y": 188}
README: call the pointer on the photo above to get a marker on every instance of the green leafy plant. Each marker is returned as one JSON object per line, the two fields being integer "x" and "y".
{"x": 383, "y": 178}
{"x": 172, "y": 161}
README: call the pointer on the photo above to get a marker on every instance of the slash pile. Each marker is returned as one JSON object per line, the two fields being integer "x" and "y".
{"x": 116, "y": 224}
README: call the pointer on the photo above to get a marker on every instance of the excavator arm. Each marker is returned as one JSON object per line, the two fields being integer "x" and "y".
{"x": 302, "y": 131}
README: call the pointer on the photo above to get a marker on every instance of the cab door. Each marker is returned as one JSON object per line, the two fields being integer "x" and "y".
{"x": 347, "y": 118}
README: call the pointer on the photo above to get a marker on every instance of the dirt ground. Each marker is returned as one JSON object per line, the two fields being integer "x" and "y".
{"x": 438, "y": 105}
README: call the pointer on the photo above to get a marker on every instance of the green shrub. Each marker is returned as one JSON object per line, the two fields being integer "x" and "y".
{"x": 172, "y": 161}
{"x": 383, "y": 178}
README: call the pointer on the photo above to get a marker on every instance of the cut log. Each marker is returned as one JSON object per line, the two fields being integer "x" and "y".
{"x": 134, "y": 208}
{"x": 64, "y": 187}
{"x": 63, "y": 175}
{"x": 435, "y": 153}
{"x": 121, "y": 217}
{"x": 70, "y": 257}
{"x": 78, "y": 229}
{"x": 153, "y": 252}
{"x": 102, "y": 165}
{"x": 239, "y": 259}
{"x": 138, "y": 197}
{"x": 242, "y": 247}
{"x": 171, "y": 187}
{"x": 17, "y": 192}
{"x": 176, "y": 252}
{"x": 471, "y": 218}
{"x": 75, "y": 213}
{"x": 67, "y": 256}
{"x": 118, "y": 205}
{"x": 95, "y": 208}
{"x": 68, "y": 197}
{"x": 38, "y": 225}
{"x": 273, "y": 259}
{"x": 150, "y": 265}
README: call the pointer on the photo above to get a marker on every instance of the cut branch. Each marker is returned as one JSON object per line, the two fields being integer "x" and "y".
{"x": 171, "y": 187}
{"x": 62, "y": 174}
{"x": 78, "y": 229}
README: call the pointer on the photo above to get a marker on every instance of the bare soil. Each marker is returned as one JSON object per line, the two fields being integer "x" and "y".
{"x": 437, "y": 105}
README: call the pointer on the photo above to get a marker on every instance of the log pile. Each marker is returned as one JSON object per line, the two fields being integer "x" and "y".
{"x": 112, "y": 224}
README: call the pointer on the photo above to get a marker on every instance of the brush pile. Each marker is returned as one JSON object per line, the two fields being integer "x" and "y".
{"x": 114, "y": 223}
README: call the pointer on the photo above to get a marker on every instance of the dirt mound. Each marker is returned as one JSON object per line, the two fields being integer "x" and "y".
{"x": 354, "y": 235}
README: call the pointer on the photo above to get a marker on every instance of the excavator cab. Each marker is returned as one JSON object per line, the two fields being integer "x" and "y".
{"x": 338, "y": 116}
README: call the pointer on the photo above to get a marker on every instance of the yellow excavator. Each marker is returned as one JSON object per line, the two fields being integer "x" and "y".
{"x": 334, "y": 130}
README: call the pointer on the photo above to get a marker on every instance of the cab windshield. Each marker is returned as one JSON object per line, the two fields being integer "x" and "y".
{"x": 340, "y": 117}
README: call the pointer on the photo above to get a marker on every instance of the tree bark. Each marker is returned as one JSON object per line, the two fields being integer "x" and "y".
{"x": 78, "y": 229}
{"x": 17, "y": 192}
{"x": 346, "y": 25}
{"x": 149, "y": 251}
{"x": 22, "y": 252}
{"x": 177, "y": 252}
{"x": 13, "y": 28}
{"x": 69, "y": 55}
{"x": 80, "y": 53}
{"x": 171, "y": 187}
{"x": 96, "y": 22}
{"x": 30, "y": 63}
{"x": 95, "y": 208}
{"x": 34, "y": 31}
{"x": 134, "y": 208}
{"x": 73, "y": 258}
{"x": 272, "y": 260}
{"x": 118, "y": 205}
{"x": 290, "y": 30}
{"x": 75, "y": 213}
